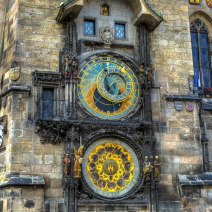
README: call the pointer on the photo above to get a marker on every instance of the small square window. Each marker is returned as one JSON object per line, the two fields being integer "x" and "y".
{"x": 120, "y": 31}
{"x": 89, "y": 27}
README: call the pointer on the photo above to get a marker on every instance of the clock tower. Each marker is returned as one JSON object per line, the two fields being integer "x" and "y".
{"x": 104, "y": 86}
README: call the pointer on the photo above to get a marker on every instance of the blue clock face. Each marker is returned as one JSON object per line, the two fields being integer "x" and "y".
{"x": 108, "y": 88}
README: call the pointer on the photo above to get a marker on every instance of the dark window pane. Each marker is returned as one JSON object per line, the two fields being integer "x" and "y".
{"x": 200, "y": 53}
{"x": 48, "y": 103}
{"x": 120, "y": 31}
{"x": 205, "y": 58}
{"x": 194, "y": 39}
{"x": 193, "y": 29}
{"x": 89, "y": 27}
{"x": 206, "y": 77}
{"x": 197, "y": 77}
{"x": 204, "y": 43}
{"x": 195, "y": 54}
{"x": 197, "y": 22}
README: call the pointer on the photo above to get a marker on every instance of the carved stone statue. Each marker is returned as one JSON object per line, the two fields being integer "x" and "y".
{"x": 146, "y": 74}
{"x": 67, "y": 164}
{"x": 71, "y": 67}
{"x": 157, "y": 165}
{"x": 107, "y": 34}
{"x": 74, "y": 67}
{"x": 77, "y": 162}
{"x": 147, "y": 167}
{"x": 67, "y": 71}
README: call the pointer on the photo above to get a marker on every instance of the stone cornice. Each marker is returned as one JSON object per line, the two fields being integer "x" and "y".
{"x": 14, "y": 88}
{"x": 147, "y": 14}
{"x": 204, "y": 179}
{"x": 19, "y": 179}
{"x": 182, "y": 97}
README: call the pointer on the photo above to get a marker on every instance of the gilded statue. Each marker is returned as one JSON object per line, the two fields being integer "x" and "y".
{"x": 147, "y": 167}
{"x": 67, "y": 164}
{"x": 78, "y": 161}
{"x": 156, "y": 166}
{"x": 105, "y": 10}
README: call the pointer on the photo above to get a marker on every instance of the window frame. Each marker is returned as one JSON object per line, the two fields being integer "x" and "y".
{"x": 121, "y": 23}
{"x": 194, "y": 28}
{"x": 95, "y": 26}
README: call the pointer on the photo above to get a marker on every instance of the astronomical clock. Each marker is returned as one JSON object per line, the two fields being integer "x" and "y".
{"x": 106, "y": 128}
{"x": 109, "y": 96}
{"x": 101, "y": 111}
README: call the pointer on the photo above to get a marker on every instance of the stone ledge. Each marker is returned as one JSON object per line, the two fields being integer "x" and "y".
{"x": 207, "y": 104}
{"x": 26, "y": 180}
{"x": 182, "y": 97}
{"x": 204, "y": 179}
{"x": 14, "y": 88}
{"x": 134, "y": 202}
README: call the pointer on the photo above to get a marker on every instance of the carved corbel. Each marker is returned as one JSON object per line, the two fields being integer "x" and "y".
{"x": 51, "y": 131}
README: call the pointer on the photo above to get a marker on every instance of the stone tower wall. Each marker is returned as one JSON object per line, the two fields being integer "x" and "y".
{"x": 33, "y": 39}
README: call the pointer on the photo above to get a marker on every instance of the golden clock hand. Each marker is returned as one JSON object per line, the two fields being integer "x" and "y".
{"x": 111, "y": 84}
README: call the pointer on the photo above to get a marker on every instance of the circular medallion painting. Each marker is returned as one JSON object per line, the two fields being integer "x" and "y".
{"x": 108, "y": 88}
{"x": 110, "y": 167}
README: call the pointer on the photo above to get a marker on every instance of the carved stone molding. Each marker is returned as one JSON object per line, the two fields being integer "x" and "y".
{"x": 51, "y": 131}
{"x": 46, "y": 77}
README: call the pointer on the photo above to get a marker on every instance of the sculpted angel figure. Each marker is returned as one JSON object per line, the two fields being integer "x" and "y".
{"x": 78, "y": 161}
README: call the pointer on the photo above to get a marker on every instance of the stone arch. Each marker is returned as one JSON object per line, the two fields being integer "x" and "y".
{"x": 205, "y": 19}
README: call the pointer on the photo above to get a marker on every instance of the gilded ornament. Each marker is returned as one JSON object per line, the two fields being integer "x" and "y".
{"x": 14, "y": 73}
{"x": 78, "y": 161}
{"x": 147, "y": 167}
{"x": 194, "y": 1}
{"x": 105, "y": 9}
{"x": 110, "y": 167}
{"x": 209, "y": 3}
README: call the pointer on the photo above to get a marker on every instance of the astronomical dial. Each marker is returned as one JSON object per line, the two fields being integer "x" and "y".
{"x": 110, "y": 167}
{"x": 108, "y": 88}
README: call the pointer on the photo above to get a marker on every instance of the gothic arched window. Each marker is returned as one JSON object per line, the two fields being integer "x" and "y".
{"x": 201, "y": 54}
